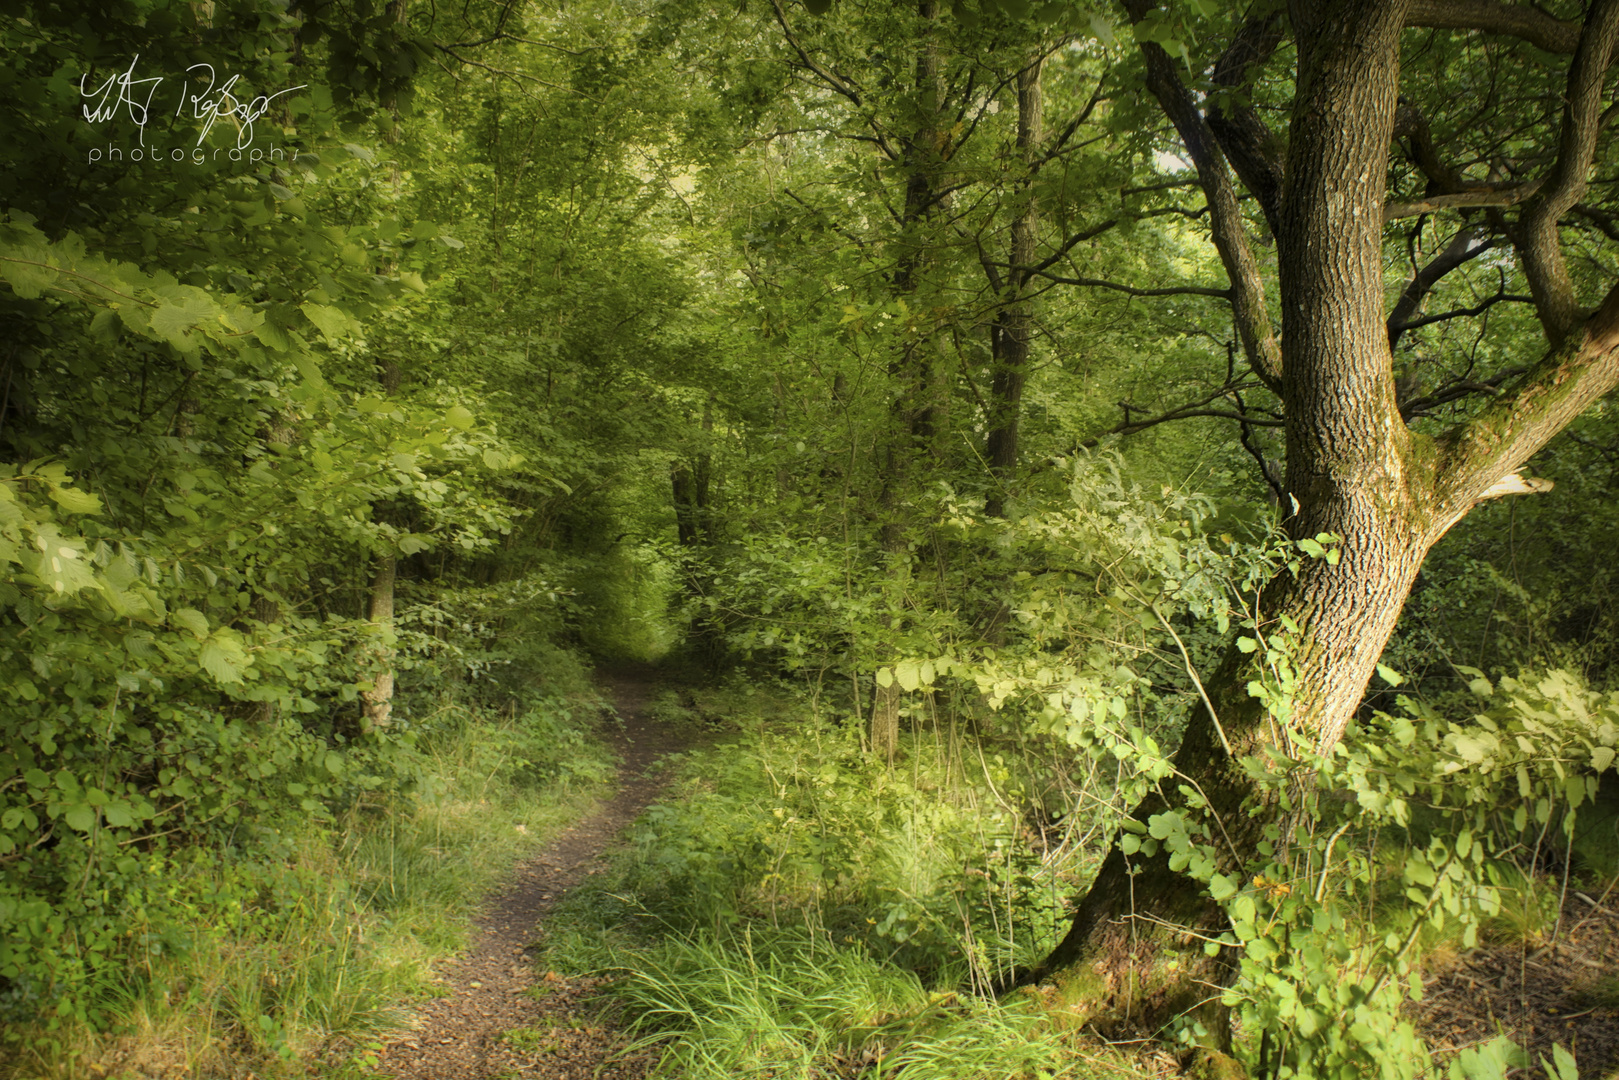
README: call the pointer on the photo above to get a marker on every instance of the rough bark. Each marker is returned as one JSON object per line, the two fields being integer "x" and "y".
{"x": 1353, "y": 469}
{"x": 1538, "y": 243}
{"x": 1490, "y": 16}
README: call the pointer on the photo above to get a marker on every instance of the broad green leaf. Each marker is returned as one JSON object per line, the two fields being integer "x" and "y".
{"x": 221, "y": 661}
{"x": 81, "y": 816}
{"x": 332, "y": 322}
{"x": 191, "y": 619}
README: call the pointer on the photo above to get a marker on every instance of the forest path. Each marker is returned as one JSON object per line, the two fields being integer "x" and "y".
{"x": 489, "y": 1026}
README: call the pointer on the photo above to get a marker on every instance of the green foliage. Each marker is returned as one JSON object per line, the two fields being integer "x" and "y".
{"x": 800, "y": 908}
{"x": 261, "y": 954}
{"x": 623, "y": 323}
{"x": 1321, "y": 980}
{"x": 783, "y": 1002}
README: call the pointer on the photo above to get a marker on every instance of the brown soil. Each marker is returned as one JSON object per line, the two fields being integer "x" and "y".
{"x": 502, "y": 1018}
{"x": 1539, "y": 994}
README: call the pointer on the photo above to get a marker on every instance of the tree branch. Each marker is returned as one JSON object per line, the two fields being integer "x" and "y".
{"x": 1411, "y": 124}
{"x": 1468, "y": 244}
{"x": 1182, "y": 412}
{"x": 1461, "y": 200}
{"x": 1456, "y": 390}
{"x": 830, "y": 79}
{"x": 1247, "y": 292}
{"x": 1131, "y": 290}
{"x": 1601, "y": 219}
{"x": 1067, "y": 245}
{"x": 1514, "y": 20}
{"x": 1575, "y": 373}
{"x": 1539, "y": 245}
{"x": 1248, "y": 143}
{"x": 1462, "y": 313}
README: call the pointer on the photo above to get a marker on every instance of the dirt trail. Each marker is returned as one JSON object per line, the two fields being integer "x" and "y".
{"x": 462, "y": 1036}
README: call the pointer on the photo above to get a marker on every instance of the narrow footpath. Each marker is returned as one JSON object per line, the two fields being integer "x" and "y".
{"x": 492, "y": 1024}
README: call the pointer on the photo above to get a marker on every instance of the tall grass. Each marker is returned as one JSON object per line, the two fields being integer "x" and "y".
{"x": 300, "y": 957}
{"x": 800, "y": 911}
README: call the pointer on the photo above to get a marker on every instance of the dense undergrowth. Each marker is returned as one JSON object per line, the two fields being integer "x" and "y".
{"x": 799, "y": 909}
{"x": 287, "y": 947}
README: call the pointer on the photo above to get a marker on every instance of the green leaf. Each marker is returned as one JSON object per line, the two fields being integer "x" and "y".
{"x": 460, "y": 417}
{"x": 75, "y": 501}
{"x": 1389, "y": 675}
{"x": 217, "y": 660}
{"x": 190, "y": 619}
{"x": 1562, "y": 1066}
{"x": 170, "y": 322}
{"x": 81, "y": 817}
{"x": 309, "y": 370}
{"x": 332, "y": 322}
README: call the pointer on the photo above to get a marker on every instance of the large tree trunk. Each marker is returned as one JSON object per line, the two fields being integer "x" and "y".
{"x": 1134, "y": 950}
{"x": 1132, "y": 954}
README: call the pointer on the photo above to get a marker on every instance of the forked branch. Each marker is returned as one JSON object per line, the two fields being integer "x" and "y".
{"x": 1539, "y": 245}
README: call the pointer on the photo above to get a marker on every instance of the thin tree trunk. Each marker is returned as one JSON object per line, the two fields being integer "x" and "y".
{"x": 912, "y": 411}
{"x": 378, "y": 701}
{"x": 1013, "y": 330}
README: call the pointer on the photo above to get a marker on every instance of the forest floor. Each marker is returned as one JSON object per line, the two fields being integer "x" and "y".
{"x": 500, "y": 1018}
{"x": 1563, "y": 991}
